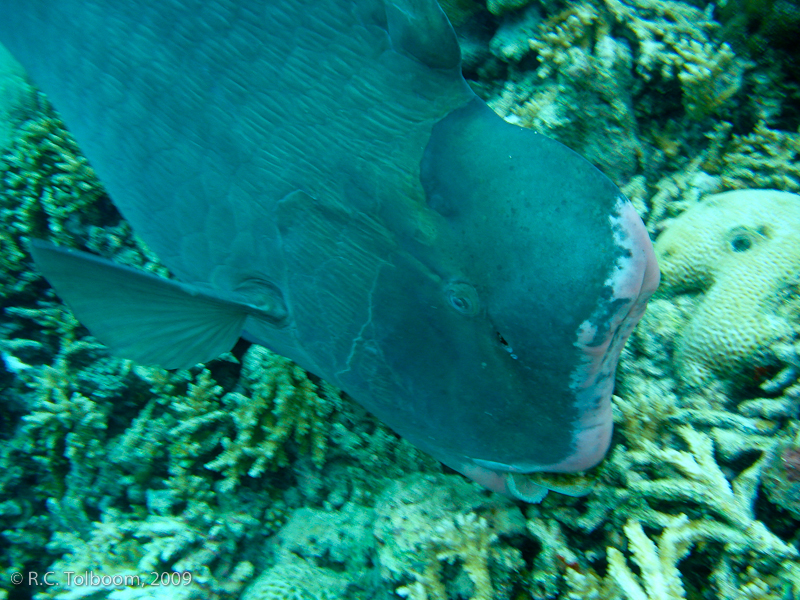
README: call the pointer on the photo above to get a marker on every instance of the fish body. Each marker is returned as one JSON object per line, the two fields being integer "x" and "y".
{"x": 320, "y": 179}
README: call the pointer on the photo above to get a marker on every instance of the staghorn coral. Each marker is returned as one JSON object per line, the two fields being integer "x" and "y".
{"x": 739, "y": 250}
{"x": 583, "y": 77}
{"x": 659, "y": 577}
{"x": 766, "y": 158}
{"x": 676, "y": 454}
{"x": 725, "y": 519}
{"x": 675, "y": 40}
{"x": 657, "y": 564}
{"x": 283, "y": 403}
{"x": 426, "y": 522}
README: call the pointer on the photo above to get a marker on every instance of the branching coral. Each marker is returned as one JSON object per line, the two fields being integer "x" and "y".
{"x": 110, "y": 466}
{"x": 563, "y": 36}
{"x": 675, "y": 40}
{"x": 282, "y": 403}
{"x": 668, "y": 495}
{"x": 122, "y": 554}
{"x": 50, "y": 191}
{"x": 583, "y": 77}
{"x": 766, "y": 158}
{"x": 49, "y": 188}
{"x": 423, "y": 527}
{"x": 87, "y": 451}
{"x": 588, "y": 74}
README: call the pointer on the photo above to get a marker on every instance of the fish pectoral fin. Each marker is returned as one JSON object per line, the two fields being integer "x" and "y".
{"x": 139, "y": 316}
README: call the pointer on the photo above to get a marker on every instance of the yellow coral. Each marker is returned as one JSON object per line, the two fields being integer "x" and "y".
{"x": 764, "y": 158}
{"x": 283, "y": 403}
{"x": 677, "y": 41}
{"x": 741, "y": 251}
{"x": 439, "y": 519}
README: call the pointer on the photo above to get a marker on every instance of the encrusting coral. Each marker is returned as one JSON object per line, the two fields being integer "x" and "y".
{"x": 740, "y": 251}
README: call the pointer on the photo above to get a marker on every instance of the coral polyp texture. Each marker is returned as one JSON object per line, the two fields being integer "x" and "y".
{"x": 739, "y": 252}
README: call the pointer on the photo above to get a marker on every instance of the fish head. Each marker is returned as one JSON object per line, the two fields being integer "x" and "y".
{"x": 543, "y": 269}
{"x": 489, "y": 338}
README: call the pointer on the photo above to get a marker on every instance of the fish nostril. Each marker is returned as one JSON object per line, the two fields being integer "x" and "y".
{"x": 501, "y": 339}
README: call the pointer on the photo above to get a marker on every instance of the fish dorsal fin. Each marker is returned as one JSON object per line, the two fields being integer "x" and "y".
{"x": 142, "y": 317}
{"x": 420, "y": 30}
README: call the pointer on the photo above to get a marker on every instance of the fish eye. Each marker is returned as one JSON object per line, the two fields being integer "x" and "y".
{"x": 463, "y": 298}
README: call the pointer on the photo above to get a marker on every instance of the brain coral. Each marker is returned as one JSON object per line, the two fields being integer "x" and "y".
{"x": 741, "y": 251}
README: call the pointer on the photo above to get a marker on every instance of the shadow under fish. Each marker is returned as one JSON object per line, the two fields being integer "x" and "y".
{"x": 320, "y": 179}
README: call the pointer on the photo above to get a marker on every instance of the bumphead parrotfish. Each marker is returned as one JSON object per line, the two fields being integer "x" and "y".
{"x": 320, "y": 179}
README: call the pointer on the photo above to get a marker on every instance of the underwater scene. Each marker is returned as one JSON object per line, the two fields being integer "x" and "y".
{"x": 247, "y": 477}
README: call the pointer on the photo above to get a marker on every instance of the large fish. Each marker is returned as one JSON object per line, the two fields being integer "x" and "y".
{"x": 320, "y": 179}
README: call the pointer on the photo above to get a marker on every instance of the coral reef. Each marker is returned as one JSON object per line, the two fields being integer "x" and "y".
{"x": 766, "y": 158}
{"x": 425, "y": 523}
{"x": 265, "y": 483}
{"x": 17, "y": 97}
{"x": 675, "y": 40}
{"x": 593, "y": 58}
{"x": 584, "y": 76}
{"x": 278, "y": 401}
{"x": 740, "y": 251}
{"x": 50, "y": 191}
{"x": 297, "y": 581}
